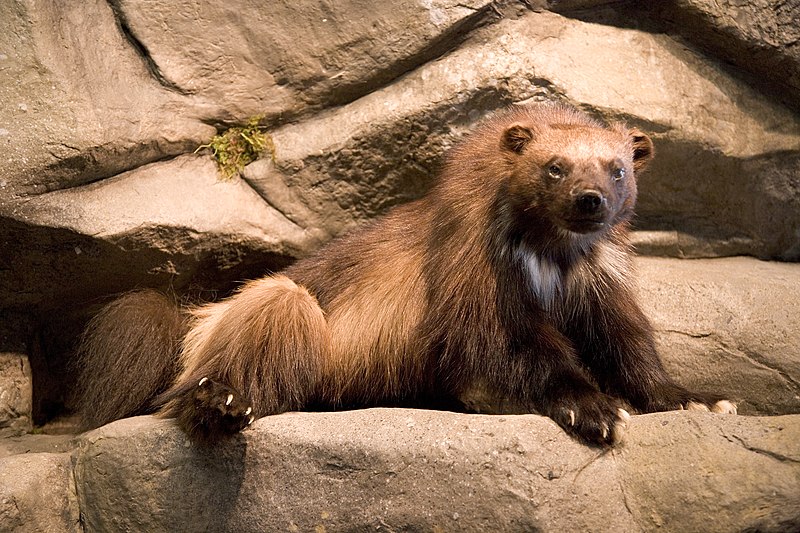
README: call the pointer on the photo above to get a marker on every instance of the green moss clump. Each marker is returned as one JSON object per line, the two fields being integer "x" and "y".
{"x": 239, "y": 146}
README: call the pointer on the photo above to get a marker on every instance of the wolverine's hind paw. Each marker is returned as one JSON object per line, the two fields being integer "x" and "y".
{"x": 212, "y": 410}
{"x": 724, "y": 407}
{"x": 669, "y": 396}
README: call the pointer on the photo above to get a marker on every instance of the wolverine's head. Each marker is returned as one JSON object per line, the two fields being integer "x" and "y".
{"x": 571, "y": 170}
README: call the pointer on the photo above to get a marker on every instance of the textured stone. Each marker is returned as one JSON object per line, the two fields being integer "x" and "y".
{"x": 284, "y": 58}
{"x": 77, "y": 102}
{"x": 15, "y": 394}
{"x": 730, "y": 326}
{"x": 760, "y": 36}
{"x": 164, "y": 221}
{"x": 709, "y": 473}
{"x": 37, "y": 494}
{"x": 396, "y": 469}
{"x": 36, "y": 443}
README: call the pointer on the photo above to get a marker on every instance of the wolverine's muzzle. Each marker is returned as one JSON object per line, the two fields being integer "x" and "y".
{"x": 589, "y": 211}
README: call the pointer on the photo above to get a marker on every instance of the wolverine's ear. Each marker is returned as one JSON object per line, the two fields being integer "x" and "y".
{"x": 516, "y": 137}
{"x": 643, "y": 150}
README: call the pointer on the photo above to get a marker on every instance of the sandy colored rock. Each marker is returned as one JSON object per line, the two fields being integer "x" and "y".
{"x": 730, "y": 326}
{"x": 165, "y": 220}
{"x": 92, "y": 89}
{"x": 396, "y": 469}
{"x": 77, "y": 103}
{"x": 728, "y": 473}
{"x": 15, "y": 394}
{"x": 286, "y": 58}
{"x": 37, "y": 494}
{"x": 760, "y": 36}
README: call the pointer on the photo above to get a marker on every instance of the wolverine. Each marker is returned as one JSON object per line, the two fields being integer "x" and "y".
{"x": 514, "y": 271}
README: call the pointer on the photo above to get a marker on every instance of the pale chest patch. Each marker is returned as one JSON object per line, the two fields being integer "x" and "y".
{"x": 545, "y": 279}
{"x": 565, "y": 294}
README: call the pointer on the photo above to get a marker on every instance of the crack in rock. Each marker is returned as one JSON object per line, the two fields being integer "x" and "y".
{"x": 767, "y": 453}
{"x": 141, "y": 49}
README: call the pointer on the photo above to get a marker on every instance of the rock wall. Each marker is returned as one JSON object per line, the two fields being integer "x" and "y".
{"x": 109, "y": 100}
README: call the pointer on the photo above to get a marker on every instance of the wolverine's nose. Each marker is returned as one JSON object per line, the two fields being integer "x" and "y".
{"x": 590, "y": 202}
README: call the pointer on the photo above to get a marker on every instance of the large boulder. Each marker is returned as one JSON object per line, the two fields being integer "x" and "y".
{"x": 285, "y": 59}
{"x": 397, "y": 469}
{"x": 77, "y": 102}
{"x": 760, "y": 36}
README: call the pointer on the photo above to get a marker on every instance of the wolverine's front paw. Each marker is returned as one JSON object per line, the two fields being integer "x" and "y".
{"x": 725, "y": 407}
{"x": 595, "y": 419}
{"x": 212, "y": 410}
{"x": 672, "y": 398}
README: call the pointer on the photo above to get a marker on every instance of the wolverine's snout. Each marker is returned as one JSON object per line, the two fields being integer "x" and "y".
{"x": 588, "y": 210}
{"x": 591, "y": 202}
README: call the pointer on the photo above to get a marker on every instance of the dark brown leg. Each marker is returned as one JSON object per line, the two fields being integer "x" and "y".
{"x": 547, "y": 374}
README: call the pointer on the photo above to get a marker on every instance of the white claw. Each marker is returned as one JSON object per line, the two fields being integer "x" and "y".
{"x": 202, "y": 381}
{"x": 251, "y": 420}
{"x": 571, "y": 417}
{"x": 605, "y": 431}
{"x": 229, "y": 400}
{"x": 725, "y": 407}
{"x": 697, "y": 406}
{"x": 249, "y": 410}
{"x": 620, "y": 426}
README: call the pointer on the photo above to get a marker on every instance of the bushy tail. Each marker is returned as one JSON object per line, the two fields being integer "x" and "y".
{"x": 128, "y": 355}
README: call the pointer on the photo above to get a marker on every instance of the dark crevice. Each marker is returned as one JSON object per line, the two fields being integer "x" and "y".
{"x": 152, "y": 67}
{"x": 265, "y": 198}
{"x": 760, "y": 451}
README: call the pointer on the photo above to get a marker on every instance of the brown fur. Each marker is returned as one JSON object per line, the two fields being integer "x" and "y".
{"x": 513, "y": 271}
{"x": 136, "y": 337}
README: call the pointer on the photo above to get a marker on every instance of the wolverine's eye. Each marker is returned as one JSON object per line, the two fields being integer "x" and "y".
{"x": 618, "y": 174}
{"x": 555, "y": 172}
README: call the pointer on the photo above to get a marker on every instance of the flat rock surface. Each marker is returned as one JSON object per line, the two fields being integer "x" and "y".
{"x": 398, "y": 469}
{"x": 729, "y": 325}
